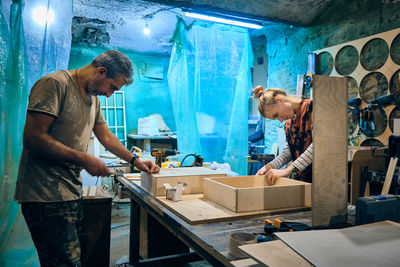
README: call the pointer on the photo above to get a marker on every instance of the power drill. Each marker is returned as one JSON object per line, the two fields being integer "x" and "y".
{"x": 162, "y": 153}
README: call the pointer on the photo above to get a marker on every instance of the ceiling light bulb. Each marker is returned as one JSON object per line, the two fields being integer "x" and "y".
{"x": 146, "y": 30}
{"x": 41, "y": 16}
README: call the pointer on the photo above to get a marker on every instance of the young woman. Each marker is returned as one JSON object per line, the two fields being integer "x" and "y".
{"x": 275, "y": 104}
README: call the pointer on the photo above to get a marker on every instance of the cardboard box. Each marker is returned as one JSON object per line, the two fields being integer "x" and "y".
{"x": 251, "y": 193}
{"x": 192, "y": 176}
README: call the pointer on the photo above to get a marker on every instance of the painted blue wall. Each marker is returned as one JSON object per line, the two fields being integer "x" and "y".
{"x": 342, "y": 21}
{"x": 142, "y": 97}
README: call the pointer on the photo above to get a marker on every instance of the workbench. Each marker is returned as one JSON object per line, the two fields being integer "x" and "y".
{"x": 162, "y": 236}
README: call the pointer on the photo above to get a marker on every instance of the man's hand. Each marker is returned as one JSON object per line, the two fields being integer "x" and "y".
{"x": 264, "y": 170}
{"x": 273, "y": 174}
{"x": 147, "y": 166}
{"x": 95, "y": 166}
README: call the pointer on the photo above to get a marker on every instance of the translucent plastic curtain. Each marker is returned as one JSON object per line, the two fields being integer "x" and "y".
{"x": 209, "y": 80}
{"x": 48, "y": 45}
{"x": 26, "y": 53}
{"x": 13, "y": 99}
{"x": 181, "y": 87}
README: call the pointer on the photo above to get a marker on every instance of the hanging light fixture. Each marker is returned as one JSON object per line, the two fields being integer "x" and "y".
{"x": 146, "y": 29}
{"x": 223, "y": 19}
{"x": 42, "y": 15}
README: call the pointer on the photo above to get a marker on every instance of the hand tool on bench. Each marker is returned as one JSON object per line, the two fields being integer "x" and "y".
{"x": 283, "y": 226}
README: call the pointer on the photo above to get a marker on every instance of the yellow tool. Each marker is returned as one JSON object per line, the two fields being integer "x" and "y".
{"x": 162, "y": 153}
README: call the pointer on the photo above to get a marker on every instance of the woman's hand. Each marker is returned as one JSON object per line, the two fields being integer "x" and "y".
{"x": 264, "y": 170}
{"x": 273, "y": 174}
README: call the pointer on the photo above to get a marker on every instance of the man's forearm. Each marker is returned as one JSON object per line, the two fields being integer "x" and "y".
{"x": 51, "y": 148}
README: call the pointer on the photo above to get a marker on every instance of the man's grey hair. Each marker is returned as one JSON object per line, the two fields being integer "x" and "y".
{"x": 116, "y": 63}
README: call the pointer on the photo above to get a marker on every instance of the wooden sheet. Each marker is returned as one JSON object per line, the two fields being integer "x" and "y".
{"x": 246, "y": 263}
{"x": 252, "y": 193}
{"x": 274, "y": 254}
{"x": 196, "y": 209}
{"x": 329, "y": 185}
{"x": 375, "y": 244}
{"x": 192, "y": 176}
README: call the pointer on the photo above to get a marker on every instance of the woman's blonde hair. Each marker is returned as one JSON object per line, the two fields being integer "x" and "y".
{"x": 267, "y": 98}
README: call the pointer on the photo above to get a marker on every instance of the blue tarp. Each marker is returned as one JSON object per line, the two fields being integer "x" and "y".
{"x": 209, "y": 80}
{"x": 27, "y": 52}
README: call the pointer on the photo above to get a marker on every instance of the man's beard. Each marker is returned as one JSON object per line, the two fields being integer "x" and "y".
{"x": 92, "y": 88}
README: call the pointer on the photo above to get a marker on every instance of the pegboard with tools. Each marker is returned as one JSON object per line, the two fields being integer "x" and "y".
{"x": 372, "y": 68}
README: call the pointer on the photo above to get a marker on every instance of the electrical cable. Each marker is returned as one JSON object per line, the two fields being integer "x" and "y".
{"x": 194, "y": 155}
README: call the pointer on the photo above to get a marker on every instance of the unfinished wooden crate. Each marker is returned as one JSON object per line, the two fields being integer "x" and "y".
{"x": 192, "y": 176}
{"x": 250, "y": 193}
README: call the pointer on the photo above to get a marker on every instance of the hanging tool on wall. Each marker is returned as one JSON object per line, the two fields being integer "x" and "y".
{"x": 386, "y": 100}
{"x": 367, "y": 124}
{"x": 355, "y": 103}
{"x": 308, "y": 81}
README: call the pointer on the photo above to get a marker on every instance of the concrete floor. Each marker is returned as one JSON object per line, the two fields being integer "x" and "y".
{"x": 119, "y": 248}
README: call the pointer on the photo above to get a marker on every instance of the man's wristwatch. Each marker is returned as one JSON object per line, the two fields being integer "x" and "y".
{"x": 133, "y": 159}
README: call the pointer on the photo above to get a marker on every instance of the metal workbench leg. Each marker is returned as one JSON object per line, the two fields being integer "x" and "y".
{"x": 134, "y": 236}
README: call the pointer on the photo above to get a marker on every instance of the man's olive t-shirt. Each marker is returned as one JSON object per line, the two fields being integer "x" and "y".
{"x": 41, "y": 178}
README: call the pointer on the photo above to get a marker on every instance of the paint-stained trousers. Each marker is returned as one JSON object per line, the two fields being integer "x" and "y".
{"x": 57, "y": 231}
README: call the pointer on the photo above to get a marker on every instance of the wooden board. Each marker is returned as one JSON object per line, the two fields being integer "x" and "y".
{"x": 192, "y": 176}
{"x": 375, "y": 244}
{"x": 330, "y": 150}
{"x": 274, "y": 254}
{"x": 132, "y": 176}
{"x": 246, "y": 263}
{"x": 251, "y": 193}
{"x": 195, "y": 209}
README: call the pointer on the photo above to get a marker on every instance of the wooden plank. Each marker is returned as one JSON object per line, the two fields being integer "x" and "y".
{"x": 330, "y": 150}
{"x": 251, "y": 193}
{"x": 132, "y": 176}
{"x": 221, "y": 194}
{"x": 389, "y": 176}
{"x": 274, "y": 254}
{"x": 192, "y": 176}
{"x": 92, "y": 191}
{"x": 246, "y": 263}
{"x": 195, "y": 209}
{"x": 375, "y": 244}
{"x": 85, "y": 190}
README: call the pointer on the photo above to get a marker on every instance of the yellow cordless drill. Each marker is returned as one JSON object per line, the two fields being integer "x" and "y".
{"x": 162, "y": 153}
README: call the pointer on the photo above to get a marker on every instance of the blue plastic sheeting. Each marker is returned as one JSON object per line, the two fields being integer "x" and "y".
{"x": 209, "y": 80}
{"x": 48, "y": 46}
{"x": 21, "y": 58}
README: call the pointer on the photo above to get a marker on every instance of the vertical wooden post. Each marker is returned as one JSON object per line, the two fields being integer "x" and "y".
{"x": 329, "y": 185}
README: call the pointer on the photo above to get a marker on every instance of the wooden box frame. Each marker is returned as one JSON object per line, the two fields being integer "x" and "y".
{"x": 251, "y": 193}
{"x": 192, "y": 176}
